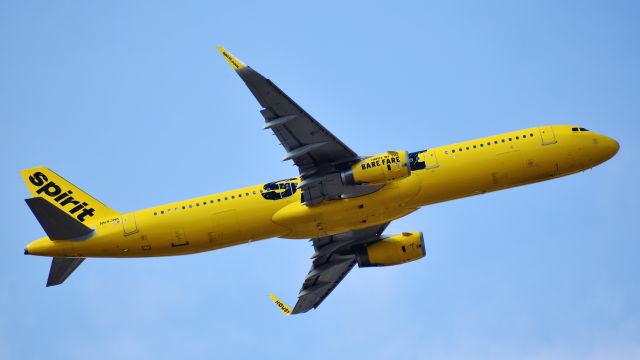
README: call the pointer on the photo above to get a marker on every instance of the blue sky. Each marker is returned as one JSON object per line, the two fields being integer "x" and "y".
{"x": 132, "y": 103}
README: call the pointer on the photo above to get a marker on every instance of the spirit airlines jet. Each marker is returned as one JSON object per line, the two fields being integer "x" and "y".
{"x": 342, "y": 200}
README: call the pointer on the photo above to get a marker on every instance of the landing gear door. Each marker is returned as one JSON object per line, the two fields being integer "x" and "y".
{"x": 547, "y": 135}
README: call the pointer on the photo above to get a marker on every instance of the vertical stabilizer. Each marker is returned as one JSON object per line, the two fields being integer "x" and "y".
{"x": 46, "y": 184}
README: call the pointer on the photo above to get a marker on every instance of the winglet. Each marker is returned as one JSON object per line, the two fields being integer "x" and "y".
{"x": 232, "y": 60}
{"x": 286, "y": 310}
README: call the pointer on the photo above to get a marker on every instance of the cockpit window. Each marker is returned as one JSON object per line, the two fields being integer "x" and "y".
{"x": 574, "y": 129}
{"x": 583, "y": 129}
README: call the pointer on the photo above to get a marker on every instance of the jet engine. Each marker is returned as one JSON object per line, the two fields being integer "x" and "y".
{"x": 392, "y": 250}
{"x": 379, "y": 169}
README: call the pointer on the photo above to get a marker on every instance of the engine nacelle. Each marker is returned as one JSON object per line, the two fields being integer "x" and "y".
{"x": 393, "y": 250}
{"x": 379, "y": 169}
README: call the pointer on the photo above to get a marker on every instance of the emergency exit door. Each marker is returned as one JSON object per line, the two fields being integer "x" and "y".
{"x": 129, "y": 224}
{"x": 547, "y": 135}
{"x": 430, "y": 159}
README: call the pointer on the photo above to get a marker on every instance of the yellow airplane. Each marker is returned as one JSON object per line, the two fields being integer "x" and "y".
{"x": 341, "y": 200}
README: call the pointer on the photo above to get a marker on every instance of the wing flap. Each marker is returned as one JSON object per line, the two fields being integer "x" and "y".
{"x": 313, "y": 148}
{"x": 333, "y": 259}
{"x": 299, "y": 128}
{"x": 312, "y": 296}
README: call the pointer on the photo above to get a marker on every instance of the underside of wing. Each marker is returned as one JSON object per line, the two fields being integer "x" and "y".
{"x": 334, "y": 257}
{"x": 318, "y": 154}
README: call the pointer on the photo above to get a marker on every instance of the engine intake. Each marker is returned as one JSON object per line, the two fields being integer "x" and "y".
{"x": 392, "y": 250}
{"x": 379, "y": 169}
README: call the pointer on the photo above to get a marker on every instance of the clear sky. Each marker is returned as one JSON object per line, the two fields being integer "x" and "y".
{"x": 132, "y": 103}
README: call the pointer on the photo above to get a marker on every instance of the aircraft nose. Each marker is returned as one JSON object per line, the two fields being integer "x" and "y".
{"x": 605, "y": 148}
{"x": 612, "y": 146}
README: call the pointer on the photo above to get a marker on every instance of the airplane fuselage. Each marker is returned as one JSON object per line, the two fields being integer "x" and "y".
{"x": 275, "y": 209}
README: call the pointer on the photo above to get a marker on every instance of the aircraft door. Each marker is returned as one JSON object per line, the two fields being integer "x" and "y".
{"x": 430, "y": 159}
{"x": 129, "y": 225}
{"x": 547, "y": 135}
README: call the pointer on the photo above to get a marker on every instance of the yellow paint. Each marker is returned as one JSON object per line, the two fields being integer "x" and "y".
{"x": 239, "y": 216}
{"x": 45, "y": 183}
{"x": 380, "y": 169}
{"x": 232, "y": 60}
{"x": 286, "y": 310}
{"x": 396, "y": 249}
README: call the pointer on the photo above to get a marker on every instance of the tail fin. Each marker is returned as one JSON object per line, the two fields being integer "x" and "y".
{"x": 48, "y": 185}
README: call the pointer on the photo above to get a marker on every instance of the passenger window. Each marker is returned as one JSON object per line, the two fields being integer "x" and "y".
{"x": 481, "y": 145}
{"x": 162, "y": 212}
{"x": 454, "y": 150}
{"x": 467, "y": 148}
{"x": 531, "y": 134}
{"x": 184, "y": 207}
{"x": 510, "y": 139}
{"x": 496, "y": 142}
{"x": 524, "y": 136}
{"x": 155, "y": 214}
{"x": 445, "y": 152}
{"x": 474, "y": 146}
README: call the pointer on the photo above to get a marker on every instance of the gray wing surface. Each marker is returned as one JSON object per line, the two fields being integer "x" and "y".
{"x": 332, "y": 261}
{"x": 61, "y": 268}
{"x": 306, "y": 141}
{"x": 318, "y": 154}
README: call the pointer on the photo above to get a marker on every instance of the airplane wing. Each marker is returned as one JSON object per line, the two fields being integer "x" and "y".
{"x": 333, "y": 259}
{"x": 318, "y": 154}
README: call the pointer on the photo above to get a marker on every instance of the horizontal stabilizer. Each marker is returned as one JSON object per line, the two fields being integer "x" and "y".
{"x": 56, "y": 223}
{"x": 61, "y": 268}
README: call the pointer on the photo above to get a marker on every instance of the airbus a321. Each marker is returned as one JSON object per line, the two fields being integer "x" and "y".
{"x": 341, "y": 200}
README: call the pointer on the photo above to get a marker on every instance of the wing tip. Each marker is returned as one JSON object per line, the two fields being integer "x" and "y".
{"x": 235, "y": 63}
{"x": 286, "y": 310}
